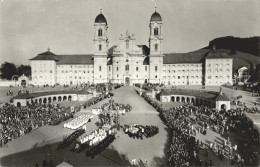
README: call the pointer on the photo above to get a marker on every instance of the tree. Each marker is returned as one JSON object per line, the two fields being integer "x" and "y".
{"x": 257, "y": 73}
{"x": 251, "y": 69}
{"x": 7, "y": 70}
{"x": 24, "y": 69}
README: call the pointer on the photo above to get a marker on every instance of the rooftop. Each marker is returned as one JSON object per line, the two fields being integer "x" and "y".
{"x": 45, "y": 56}
{"x": 156, "y": 17}
{"x": 76, "y": 59}
{"x": 101, "y": 19}
{"x": 39, "y": 94}
{"x": 216, "y": 96}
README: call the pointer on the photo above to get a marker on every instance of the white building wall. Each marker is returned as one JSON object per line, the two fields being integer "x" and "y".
{"x": 136, "y": 72}
{"x": 156, "y": 67}
{"x": 182, "y": 74}
{"x": 43, "y": 72}
{"x": 71, "y": 74}
{"x": 100, "y": 69}
{"x": 218, "y": 71}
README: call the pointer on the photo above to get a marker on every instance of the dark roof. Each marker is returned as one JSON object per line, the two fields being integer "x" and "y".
{"x": 145, "y": 49}
{"x": 45, "y": 56}
{"x": 76, "y": 59}
{"x": 146, "y": 60}
{"x": 175, "y": 58}
{"x": 215, "y": 54}
{"x": 156, "y": 17}
{"x": 164, "y": 92}
{"x": 39, "y": 94}
{"x": 100, "y": 19}
{"x": 221, "y": 97}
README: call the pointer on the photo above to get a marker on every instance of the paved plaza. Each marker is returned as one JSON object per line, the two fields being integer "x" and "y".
{"x": 150, "y": 149}
{"x": 41, "y": 144}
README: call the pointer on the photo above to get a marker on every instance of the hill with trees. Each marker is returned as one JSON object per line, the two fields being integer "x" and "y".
{"x": 247, "y": 45}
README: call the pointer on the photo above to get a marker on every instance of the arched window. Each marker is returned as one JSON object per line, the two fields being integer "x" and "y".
{"x": 100, "y": 32}
{"x": 127, "y": 67}
{"x": 156, "y": 31}
{"x": 100, "y": 47}
{"x": 156, "y": 47}
{"x": 127, "y": 44}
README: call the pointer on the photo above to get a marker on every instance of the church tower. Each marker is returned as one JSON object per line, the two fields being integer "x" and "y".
{"x": 155, "y": 45}
{"x": 156, "y": 38}
{"x": 100, "y": 49}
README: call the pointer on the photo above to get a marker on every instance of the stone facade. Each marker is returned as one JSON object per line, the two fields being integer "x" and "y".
{"x": 218, "y": 71}
{"x": 129, "y": 63}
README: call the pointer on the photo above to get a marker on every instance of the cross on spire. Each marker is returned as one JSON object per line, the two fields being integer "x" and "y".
{"x": 100, "y": 10}
{"x": 155, "y": 5}
{"x": 48, "y": 49}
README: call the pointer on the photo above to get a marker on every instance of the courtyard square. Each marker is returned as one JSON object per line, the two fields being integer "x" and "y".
{"x": 150, "y": 150}
{"x": 129, "y": 83}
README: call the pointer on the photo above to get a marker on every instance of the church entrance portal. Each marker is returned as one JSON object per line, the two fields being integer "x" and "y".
{"x": 127, "y": 81}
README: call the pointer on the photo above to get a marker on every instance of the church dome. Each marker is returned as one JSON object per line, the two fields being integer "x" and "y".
{"x": 156, "y": 17}
{"x": 101, "y": 19}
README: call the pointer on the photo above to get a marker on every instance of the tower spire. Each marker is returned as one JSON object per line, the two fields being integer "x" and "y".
{"x": 155, "y": 5}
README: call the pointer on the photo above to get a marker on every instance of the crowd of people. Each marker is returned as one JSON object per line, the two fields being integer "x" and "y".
{"x": 96, "y": 149}
{"x": 95, "y": 100}
{"x": 16, "y": 121}
{"x": 116, "y": 106}
{"x": 149, "y": 86}
{"x": 94, "y": 137}
{"x": 100, "y": 87}
{"x": 138, "y": 131}
{"x": 71, "y": 138}
{"x": 184, "y": 148}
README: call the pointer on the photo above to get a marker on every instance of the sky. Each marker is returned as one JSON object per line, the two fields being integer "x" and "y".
{"x": 29, "y": 27}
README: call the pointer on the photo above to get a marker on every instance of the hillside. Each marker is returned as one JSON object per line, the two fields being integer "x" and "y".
{"x": 240, "y": 58}
{"x": 247, "y": 45}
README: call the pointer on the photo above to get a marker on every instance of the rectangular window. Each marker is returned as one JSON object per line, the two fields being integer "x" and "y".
{"x": 136, "y": 68}
{"x": 145, "y": 68}
{"x": 99, "y": 68}
{"x": 116, "y": 68}
{"x": 155, "y": 68}
{"x": 109, "y": 68}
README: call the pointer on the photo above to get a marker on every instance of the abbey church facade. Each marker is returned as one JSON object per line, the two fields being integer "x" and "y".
{"x": 129, "y": 63}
